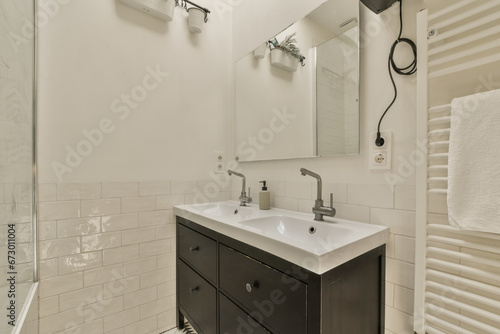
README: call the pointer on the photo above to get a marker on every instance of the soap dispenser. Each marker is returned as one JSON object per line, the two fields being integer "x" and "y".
{"x": 264, "y": 197}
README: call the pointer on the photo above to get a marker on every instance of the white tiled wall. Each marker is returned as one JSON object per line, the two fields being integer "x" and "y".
{"x": 16, "y": 81}
{"x": 392, "y": 206}
{"x": 108, "y": 255}
{"x": 30, "y": 325}
{"x": 337, "y": 97}
{"x": 330, "y": 102}
{"x": 115, "y": 272}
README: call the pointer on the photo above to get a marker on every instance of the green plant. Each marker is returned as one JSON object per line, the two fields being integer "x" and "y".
{"x": 289, "y": 45}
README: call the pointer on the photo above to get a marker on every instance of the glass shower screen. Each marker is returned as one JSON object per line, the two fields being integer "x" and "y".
{"x": 17, "y": 210}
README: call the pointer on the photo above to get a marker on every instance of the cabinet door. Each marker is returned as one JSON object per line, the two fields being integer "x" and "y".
{"x": 198, "y": 298}
{"x": 234, "y": 320}
{"x": 354, "y": 298}
{"x": 199, "y": 251}
{"x": 268, "y": 295}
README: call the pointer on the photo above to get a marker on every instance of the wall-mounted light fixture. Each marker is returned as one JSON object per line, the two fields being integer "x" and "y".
{"x": 197, "y": 16}
{"x": 164, "y": 10}
{"x": 161, "y": 9}
{"x": 260, "y": 51}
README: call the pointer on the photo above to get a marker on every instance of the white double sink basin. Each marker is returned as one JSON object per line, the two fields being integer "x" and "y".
{"x": 293, "y": 236}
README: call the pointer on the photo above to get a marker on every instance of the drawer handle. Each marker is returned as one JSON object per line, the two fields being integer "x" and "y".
{"x": 193, "y": 290}
{"x": 194, "y": 249}
{"x": 249, "y": 286}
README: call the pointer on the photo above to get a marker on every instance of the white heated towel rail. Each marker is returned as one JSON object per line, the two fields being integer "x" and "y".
{"x": 457, "y": 272}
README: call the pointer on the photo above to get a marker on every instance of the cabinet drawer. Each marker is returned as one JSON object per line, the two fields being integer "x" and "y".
{"x": 199, "y": 251}
{"x": 198, "y": 298}
{"x": 235, "y": 320}
{"x": 267, "y": 294}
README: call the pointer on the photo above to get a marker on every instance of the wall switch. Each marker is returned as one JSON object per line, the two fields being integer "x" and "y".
{"x": 380, "y": 157}
{"x": 219, "y": 161}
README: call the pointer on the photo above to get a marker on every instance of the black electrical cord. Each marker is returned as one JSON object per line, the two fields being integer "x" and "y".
{"x": 408, "y": 70}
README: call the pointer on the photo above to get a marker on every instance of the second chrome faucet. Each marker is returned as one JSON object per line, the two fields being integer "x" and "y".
{"x": 244, "y": 199}
{"x": 319, "y": 209}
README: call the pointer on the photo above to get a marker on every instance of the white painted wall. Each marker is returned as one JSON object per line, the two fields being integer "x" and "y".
{"x": 383, "y": 198}
{"x": 92, "y": 53}
{"x": 378, "y": 33}
{"x": 102, "y": 74}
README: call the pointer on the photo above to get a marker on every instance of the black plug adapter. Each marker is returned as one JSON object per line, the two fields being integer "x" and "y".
{"x": 379, "y": 141}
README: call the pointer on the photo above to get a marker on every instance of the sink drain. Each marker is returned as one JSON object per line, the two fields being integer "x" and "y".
{"x": 312, "y": 230}
{"x": 236, "y": 211}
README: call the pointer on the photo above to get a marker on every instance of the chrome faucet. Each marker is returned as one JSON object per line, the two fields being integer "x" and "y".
{"x": 244, "y": 199}
{"x": 319, "y": 210}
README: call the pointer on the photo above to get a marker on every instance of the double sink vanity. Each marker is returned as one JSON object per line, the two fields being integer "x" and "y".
{"x": 241, "y": 270}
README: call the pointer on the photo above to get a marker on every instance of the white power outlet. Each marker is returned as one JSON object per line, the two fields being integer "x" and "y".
{"x": 219, "y": 162}
{"x": 380, "y": 157}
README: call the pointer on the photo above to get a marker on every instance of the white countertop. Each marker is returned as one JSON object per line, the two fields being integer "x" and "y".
{"x": 286, "y": 234}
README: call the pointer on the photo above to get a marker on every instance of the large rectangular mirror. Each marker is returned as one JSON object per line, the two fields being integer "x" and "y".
{"x": 301, "y": 99}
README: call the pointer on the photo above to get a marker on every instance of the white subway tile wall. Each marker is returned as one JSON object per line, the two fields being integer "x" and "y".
{"x": 108, "y": 264}
{"x": 16, "y": 166}
{"x": 392, "y": 206}
{"x": 337, "y": 98}
{"x": 108, "y": 254}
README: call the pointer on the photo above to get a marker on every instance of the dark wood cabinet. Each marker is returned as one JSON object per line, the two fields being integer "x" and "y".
{"x": 197, "y": 297}
{"x": 225, "y": 286}
{"x": 234, "y": 320}
{"x": 199, "y": 251}
{"x": 264, "y": 292}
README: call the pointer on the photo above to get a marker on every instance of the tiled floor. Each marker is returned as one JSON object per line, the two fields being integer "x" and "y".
{"x": 175, "y": 331}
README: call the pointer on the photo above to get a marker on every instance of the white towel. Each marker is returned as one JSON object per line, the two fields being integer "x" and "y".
{"x": 474, "y": 163}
